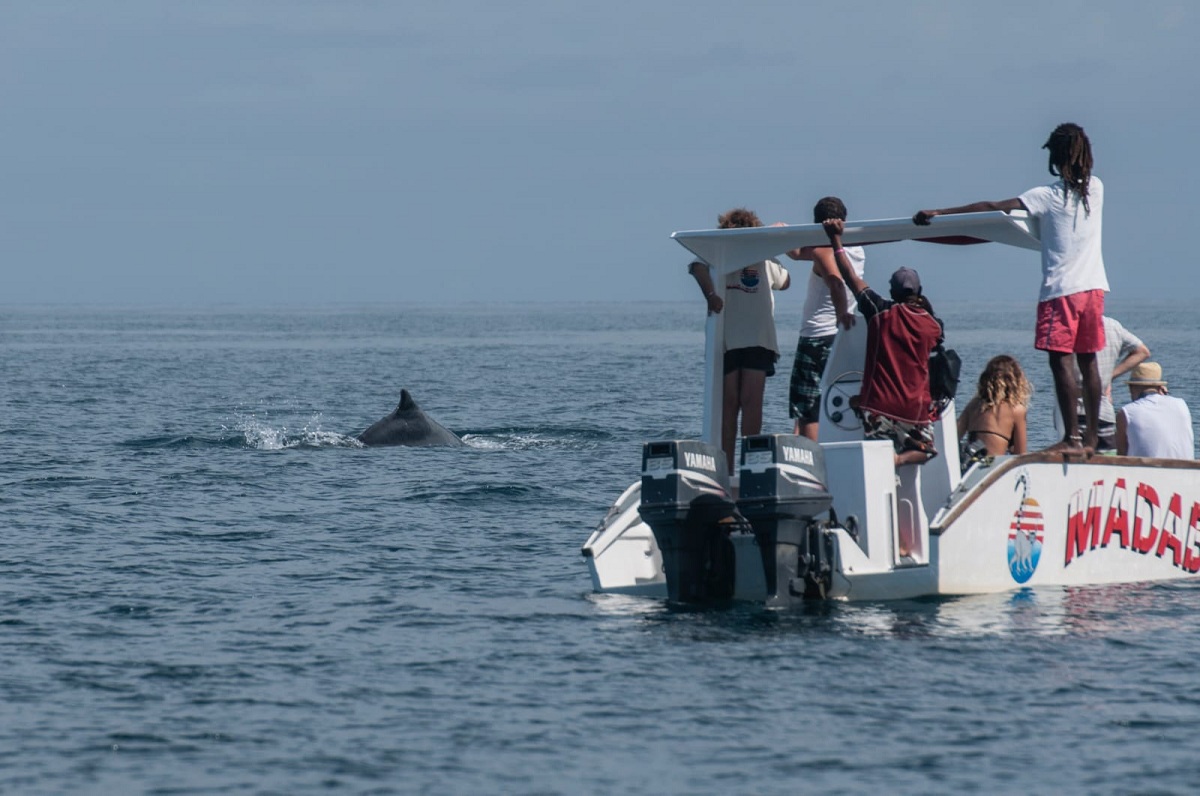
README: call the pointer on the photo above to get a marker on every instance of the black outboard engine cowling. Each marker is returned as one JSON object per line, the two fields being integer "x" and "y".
{"x": 782, "y": 489}
{"x": 687, "y": 502}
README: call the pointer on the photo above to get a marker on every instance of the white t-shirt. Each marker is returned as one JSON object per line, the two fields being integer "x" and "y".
{"x": 820, "y": 316}
{"x": 750, "y": 306}
{"x": 1159, "y": 426}
{"x": 1071, "y": 258}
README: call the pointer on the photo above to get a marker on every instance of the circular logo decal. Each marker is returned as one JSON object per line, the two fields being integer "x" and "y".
{"x": 1025, "y": 537}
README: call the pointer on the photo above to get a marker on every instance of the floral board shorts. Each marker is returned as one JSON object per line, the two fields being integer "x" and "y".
{"x": 903, "y": 436}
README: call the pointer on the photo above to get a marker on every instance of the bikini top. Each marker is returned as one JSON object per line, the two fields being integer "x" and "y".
{"x": 973, "y": 432}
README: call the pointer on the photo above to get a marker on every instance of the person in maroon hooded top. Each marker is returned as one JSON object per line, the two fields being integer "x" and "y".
{"x": 894, "y": 403}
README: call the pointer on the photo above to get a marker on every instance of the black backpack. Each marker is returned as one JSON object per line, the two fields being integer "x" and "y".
{"x": 944, "y": 368}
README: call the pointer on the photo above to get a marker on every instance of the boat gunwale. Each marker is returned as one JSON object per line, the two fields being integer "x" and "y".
{"x": 1053, "y": 457}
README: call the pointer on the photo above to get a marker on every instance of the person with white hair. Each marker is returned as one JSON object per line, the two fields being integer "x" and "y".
{"x": 1154, "y": 424}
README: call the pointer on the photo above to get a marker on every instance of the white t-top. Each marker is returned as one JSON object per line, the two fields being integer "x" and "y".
{"x": 1071, "y": 258}
{"x": 1159, "y": 426}
{"x": 750, "y": 306}
{"x": 820, "y": 316}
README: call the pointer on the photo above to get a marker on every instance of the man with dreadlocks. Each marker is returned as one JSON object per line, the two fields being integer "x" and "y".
{"x": 894, "y": 402}
{"x": 1070, "y": 325}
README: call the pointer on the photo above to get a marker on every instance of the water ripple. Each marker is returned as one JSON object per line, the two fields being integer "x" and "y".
{"x": 210, "y": 587}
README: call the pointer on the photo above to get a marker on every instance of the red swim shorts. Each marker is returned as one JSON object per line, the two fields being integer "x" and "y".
{"x": 1071, "y": 324}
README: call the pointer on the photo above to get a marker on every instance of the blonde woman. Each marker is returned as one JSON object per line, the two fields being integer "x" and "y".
{"x": 993, "y": 422}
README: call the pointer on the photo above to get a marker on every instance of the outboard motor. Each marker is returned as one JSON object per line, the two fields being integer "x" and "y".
{"x": 687, "y": 503}
{"x": 783, "y": 489}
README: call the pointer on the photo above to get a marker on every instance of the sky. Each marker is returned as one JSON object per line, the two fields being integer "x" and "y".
{"x": 311, "y": 152}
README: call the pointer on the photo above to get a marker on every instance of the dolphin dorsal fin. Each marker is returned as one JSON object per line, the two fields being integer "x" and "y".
{"x": 407, "y": 404}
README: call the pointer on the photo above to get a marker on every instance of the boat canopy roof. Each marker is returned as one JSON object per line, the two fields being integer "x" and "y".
{"x": 730, "y": 249}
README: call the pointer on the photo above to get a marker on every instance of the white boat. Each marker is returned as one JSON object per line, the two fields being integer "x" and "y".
{"x": 839, "y": 521}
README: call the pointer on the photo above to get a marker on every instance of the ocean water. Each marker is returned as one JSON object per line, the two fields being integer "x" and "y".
{"x": 207, "y": 586}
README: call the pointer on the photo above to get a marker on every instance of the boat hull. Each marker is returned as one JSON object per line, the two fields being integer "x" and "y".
{"x": 1040, "y": 520}
{"x": 1018, "y": 522}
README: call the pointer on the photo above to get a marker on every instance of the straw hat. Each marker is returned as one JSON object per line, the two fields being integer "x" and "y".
{"x": 1147, "y": 374}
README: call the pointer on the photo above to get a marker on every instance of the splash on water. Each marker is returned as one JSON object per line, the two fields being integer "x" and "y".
{"x": 261, "y": 435}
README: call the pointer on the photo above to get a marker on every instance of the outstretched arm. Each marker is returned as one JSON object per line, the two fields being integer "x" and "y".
{"x": 922, "y": 216}
{"x": 833, "y": 229}
{"x": 825, "y": 266}
{"x": 805, "y": 253}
